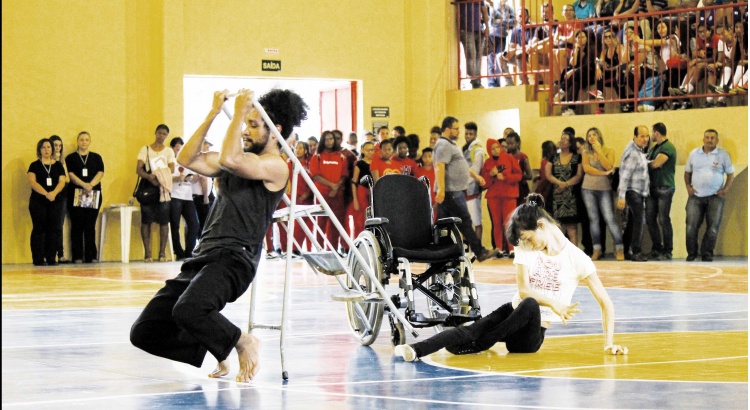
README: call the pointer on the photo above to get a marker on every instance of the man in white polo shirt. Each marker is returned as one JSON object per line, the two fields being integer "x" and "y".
{"x": 704, "y": 178}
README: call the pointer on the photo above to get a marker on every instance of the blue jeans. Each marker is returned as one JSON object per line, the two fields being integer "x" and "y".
{"x": 599, "y": 204}
{"x": 472, "y": 42}
{"x": 186, "y": 209}
{"x": 454, "y": 205}
{"x": 658, "y": 205}
{"x": 710, "y": 208}
{"x": 636, "y": 219}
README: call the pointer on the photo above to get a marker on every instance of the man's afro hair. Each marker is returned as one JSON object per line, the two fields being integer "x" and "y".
{"x": 285, "y": 108}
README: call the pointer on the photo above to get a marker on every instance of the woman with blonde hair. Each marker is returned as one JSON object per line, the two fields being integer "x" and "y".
{"x": 598, "y": 164}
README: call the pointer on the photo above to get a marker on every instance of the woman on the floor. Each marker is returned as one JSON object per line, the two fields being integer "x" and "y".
{"x": 548, "y": 270}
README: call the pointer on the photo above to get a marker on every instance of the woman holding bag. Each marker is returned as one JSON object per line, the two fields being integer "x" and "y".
{"x": 150, "y": 159}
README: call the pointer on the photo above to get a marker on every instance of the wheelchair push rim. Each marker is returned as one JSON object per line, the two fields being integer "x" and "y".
{"x": 362, "y": 314}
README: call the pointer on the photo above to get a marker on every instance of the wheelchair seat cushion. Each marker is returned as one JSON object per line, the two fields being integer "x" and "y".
{"x": 431, "y": 254}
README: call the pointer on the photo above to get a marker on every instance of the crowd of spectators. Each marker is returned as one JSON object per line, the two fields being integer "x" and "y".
{"x": 651, "y": 55}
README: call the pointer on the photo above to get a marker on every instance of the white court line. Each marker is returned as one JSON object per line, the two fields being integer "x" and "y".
{"x": 529, "y": 373}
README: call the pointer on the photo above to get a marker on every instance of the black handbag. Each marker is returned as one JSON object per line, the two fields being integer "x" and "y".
{"x": 145, "y": 192}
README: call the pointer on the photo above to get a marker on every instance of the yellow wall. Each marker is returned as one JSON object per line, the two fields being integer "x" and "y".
{"x": 115, "y": 68}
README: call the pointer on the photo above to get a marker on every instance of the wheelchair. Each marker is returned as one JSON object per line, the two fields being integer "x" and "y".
{"x": 399, "y": 231}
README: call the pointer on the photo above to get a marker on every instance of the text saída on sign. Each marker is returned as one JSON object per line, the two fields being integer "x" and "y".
{"x": 271, "y": 65}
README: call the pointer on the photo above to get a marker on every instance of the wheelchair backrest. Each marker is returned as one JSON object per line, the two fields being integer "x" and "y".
{"x": 405, "y": 201}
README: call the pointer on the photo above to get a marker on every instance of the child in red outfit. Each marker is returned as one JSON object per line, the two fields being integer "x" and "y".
{"x": 428, "y": 170}
{"x": 502, "y": 175}
{"x": 329, "y": 171}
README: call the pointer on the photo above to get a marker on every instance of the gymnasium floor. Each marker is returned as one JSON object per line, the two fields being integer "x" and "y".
{"x": 65, "y": 346}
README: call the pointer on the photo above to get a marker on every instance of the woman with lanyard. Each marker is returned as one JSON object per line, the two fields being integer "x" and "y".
{"x": 85, "y": 170}
{"x": 47, "y": 179}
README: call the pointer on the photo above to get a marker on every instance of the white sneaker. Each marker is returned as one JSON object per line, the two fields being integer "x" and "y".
{"x": 646, "y": 108}
{"x": 568, "y": 112}
{"x": 406, "y": 352}
{"x": 272, "y": 255}
{"x": 597, "y": 94}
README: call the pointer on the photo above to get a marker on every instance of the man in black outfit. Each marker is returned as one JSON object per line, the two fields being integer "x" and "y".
{"x": 182, "y": 322}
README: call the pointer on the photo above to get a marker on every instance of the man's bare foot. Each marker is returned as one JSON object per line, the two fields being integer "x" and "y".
{"x": 248, "y": 349}
{"x": 222, "y": 369}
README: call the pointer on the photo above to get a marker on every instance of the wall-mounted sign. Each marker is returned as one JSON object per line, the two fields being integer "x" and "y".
{"x": 271, "y": 50}
{"x": 380, "y": 112}
{"x": 271, "y": 65}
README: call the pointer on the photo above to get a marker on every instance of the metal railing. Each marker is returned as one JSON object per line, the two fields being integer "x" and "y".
{"x": 539, "y": 54}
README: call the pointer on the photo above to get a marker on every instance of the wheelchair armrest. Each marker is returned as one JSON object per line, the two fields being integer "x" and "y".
{"x": 376, "y": 221}
{"x": 448, "y": 221}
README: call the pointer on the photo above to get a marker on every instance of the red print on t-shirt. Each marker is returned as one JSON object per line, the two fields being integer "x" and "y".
{"x": 546, "y": 275}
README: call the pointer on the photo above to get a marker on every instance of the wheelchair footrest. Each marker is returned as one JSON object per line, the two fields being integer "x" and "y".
{"x": 326, "y": 263}
{"x": 352, "y": 296}
{"x": 421, "y": 319}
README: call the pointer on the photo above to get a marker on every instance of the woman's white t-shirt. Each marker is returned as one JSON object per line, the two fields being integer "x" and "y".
{"x": 182, "y": 190}
{"x": 555, "y": 277}
{"x": 156, "y": 159}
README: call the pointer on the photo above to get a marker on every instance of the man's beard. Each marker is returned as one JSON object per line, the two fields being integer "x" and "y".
{"x": 255, "y": 147}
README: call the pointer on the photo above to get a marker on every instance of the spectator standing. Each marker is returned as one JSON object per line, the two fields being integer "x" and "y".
{"x": 588, "y": 247}
{"x": 382, "y": 165}
{"x": 501, "y": 173}
{"x": 182, "y": 205}
{"x": 151, "y": 159}
{"x": 513, "y": 146}
{"x": 598, "y": 165}
{"x": 544, "y": 187}
{"x": 704, "y": 178}
{"x": 312, "y": 142}
{"x": 401, "y": 163}
{"x": 502, "y": 19}
{"x": 203, "y": 193}
{"x": 304, "y": 195}
{"x": 47, "y": 179}
{"x": 329, "y": 171}
{"x": 57, "y": 154}
{"x": 633, "y": 189}
{"x": 451, "y": 174}
{"x": 662, "y": 159}
{"x": 86, "y": 170}
{"x": 474, "y": 32}
{"x": 361, "y": 198}
{"x": 414, "y": 147}
{"x": 427, "y": 169}
{"x": 474, "y": 155}
{"x": 434, "y": 136}
{"x": 565, "y": 172}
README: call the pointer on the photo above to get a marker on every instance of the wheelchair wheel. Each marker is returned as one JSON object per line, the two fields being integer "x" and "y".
{"x": 363, "y": 313}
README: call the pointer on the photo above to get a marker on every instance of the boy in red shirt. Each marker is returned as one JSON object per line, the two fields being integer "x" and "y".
{"x": 428, "y": 170}
{"x": 381, "y": 163}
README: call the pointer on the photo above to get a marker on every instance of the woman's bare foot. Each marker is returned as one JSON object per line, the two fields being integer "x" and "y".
{"x": 248, "y": 349}
{"x": 222, "y": 369}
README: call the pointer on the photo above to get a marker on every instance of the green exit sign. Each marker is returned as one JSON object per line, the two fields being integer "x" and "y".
{"x": 271, "y": 65}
